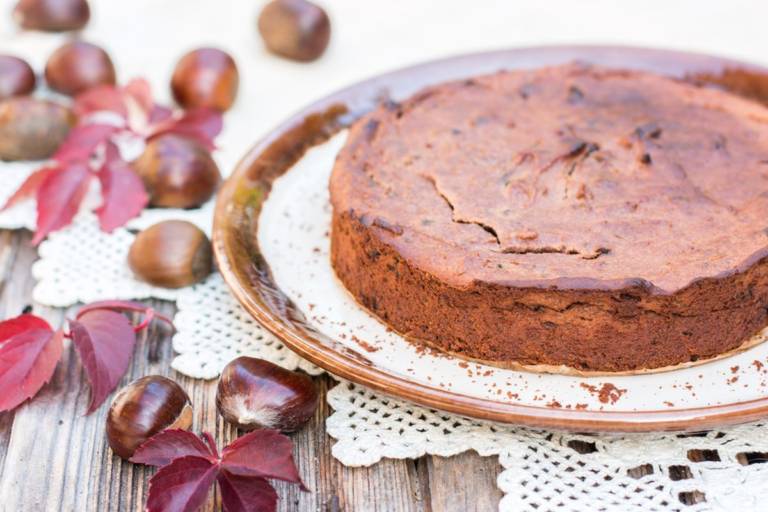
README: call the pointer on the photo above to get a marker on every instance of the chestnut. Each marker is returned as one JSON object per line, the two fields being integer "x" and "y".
{"x": 52, "y": 15}
{"x": 16, "y": 77}
{"x": 78, "y": 66}
{"x": 171, "y": 254}
{"x": 143, "y": 408}
{"x": 295, "y": 29}
{"x": 206, "y": 77}
{"x": 32, "y": 129}
{"x": 177, "y": 172}
{"x": 254, "y": 393}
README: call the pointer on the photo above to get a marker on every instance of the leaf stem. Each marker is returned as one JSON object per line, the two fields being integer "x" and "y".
{"x": 208, "y": 438}
{"x": 124, "y": 307}
{"x": 149, "y": 314}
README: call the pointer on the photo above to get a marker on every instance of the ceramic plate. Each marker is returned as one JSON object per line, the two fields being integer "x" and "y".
{"x": 271, "y": 241}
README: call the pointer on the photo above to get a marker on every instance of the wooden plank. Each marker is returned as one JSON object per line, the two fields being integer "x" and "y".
{"x": 464, "y": 482}
{"x": 53, "y": 457}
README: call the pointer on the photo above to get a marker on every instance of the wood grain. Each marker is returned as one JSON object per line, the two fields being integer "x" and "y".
{"x": 53, "y": 457}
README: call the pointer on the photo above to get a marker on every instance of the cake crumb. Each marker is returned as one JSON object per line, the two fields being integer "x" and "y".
{"x": 606, "y": 393}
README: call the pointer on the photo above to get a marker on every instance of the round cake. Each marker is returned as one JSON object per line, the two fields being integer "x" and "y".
{"x": 572, "y": 217}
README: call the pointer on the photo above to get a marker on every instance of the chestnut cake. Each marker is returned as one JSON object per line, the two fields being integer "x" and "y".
{"x": 572, "y": 218}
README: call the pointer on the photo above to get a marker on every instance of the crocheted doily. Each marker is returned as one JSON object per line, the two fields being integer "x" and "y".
{"x": 553, "y": 472}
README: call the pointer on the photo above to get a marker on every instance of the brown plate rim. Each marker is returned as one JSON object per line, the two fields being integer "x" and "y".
{"x": 237, "y": 267}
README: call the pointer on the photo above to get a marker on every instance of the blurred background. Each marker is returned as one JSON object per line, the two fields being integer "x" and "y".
{"x": 146, "y": 38}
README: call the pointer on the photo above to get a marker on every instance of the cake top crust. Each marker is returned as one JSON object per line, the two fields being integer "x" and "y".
{"x": 571, "y": 176}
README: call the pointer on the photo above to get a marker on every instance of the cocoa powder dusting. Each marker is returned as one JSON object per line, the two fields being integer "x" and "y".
{"x": 364, "y": 344}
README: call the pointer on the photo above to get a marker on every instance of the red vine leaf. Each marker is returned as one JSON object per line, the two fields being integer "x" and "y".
{"x": 189, "y": 467}
{"x": 139, "y": 90}
{"x": 122, "y": 192}
{"x": 59, "y": 197}
{"x": 182, "y": 485}
{"x": 245, "y": 494}
{"x": 29, "y": 352}
{"x": 13, "y": 326}
{"x": 200, "y": 124}
{"x": 30, "y": 186}
{"x": 162, "y": 448}
{"x": 82, "y": 141}
{"x": 58, "y": 191}
{"x": 262, "y": 453}
{"x": 104, "y": 340}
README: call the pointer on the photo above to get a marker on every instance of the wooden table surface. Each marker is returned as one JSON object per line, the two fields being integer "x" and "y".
{"x": 53, "y": 457}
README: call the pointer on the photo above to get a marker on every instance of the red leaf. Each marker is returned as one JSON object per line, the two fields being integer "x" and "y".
{"x": 246, "y": 494}
{"x": 182, "y": 485}
{"x": 104, "y": 340}
{"x": 29, "y": 188}
{"x": 200, "y": 124}
{"x": 140, "y": 91}
{"x": 59, "y": 197}
{"x": 26, "y": 322}
{"x": 122, "y": 193}
{"x": 262, "y": 453}
{"x": 82, "y": 141}
{"x": 29, "y": 352}
{"x": 100, "y": 98}
{"x": 162, "y": 448}
{"x": 187, "y": 465}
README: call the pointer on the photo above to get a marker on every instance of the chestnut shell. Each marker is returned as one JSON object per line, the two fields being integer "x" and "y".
{"x": 177, "y": 172}
{"x": 52, "y": 15}
{"x": 254, "y": 393}
{"x": 295, "y": 29}
{"x": 206, "y": 77}
{"x": 32, "y": 129}
{"x": 143, "y": 408}
{"x": 171, "y": 254}
{"x": 16, "y": 77}
{"x": 77, "y": 66}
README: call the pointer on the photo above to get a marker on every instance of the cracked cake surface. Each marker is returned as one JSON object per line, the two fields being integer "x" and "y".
{"x": 601, "y": 219}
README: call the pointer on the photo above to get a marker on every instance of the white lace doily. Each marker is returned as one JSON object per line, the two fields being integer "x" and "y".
{"x": 212, "y": 329}
{"x": 553, "y": 472}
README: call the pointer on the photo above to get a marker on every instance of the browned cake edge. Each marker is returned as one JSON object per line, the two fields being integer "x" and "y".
{"x": 622, "y": 329}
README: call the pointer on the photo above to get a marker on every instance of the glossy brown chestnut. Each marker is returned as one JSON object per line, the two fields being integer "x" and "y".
{"x": 171, "y": 254}
{"x": 206, "y": 77}
{"x": 52, "y": 15}
{"x": 177, "y": 172}
{"x": 295, "y": 29}
{"x": 32, "y": 129}
{"x": 78, "y": 66}
{"x": 143, "y": 408}
{"x": 16, "y": 77}
{"x": 254, "y": 393}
